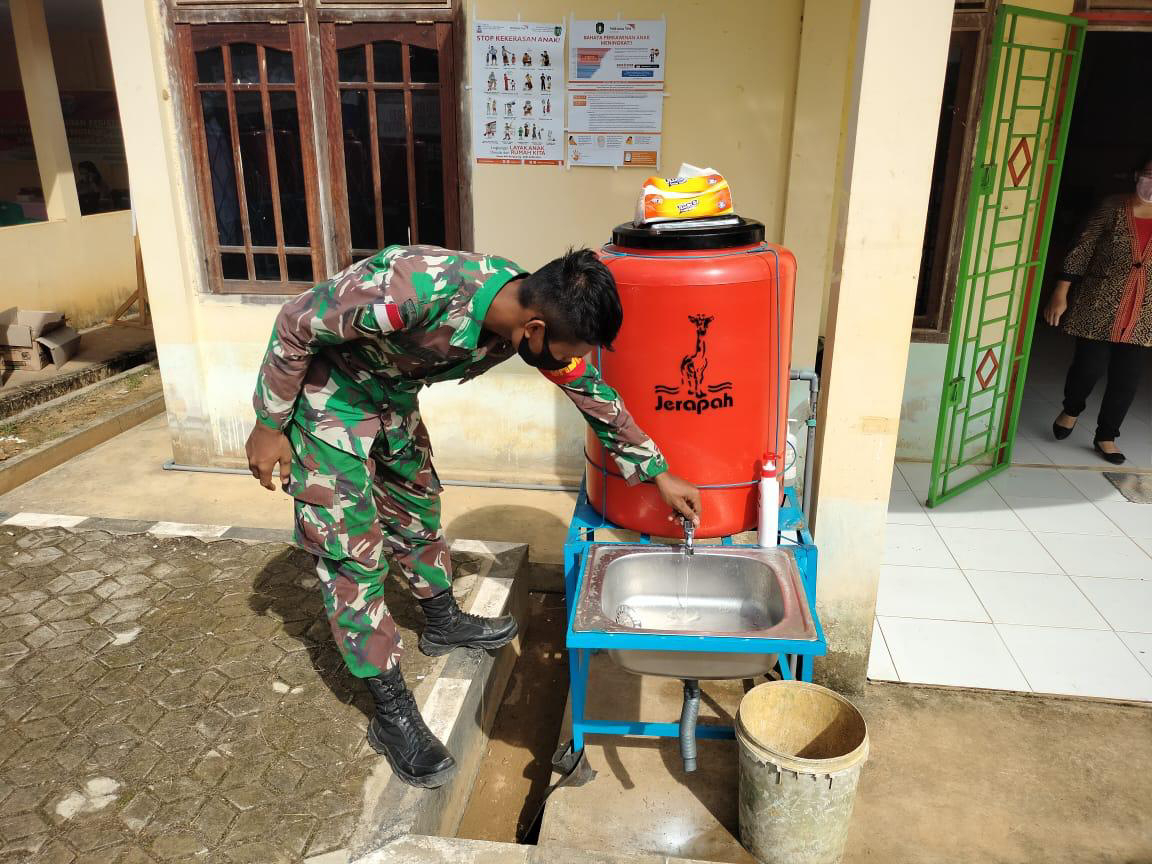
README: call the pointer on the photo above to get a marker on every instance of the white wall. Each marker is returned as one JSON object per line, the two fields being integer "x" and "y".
{"x": 921, "y": 405}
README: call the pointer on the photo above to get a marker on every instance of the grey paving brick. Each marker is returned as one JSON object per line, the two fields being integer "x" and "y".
{"x": 173, "y": 700}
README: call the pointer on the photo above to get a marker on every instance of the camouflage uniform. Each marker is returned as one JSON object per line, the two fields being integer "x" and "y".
{"x": 341, "y": 377}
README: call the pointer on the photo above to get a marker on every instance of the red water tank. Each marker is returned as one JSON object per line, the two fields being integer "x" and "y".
{"x": 702, "y": 363}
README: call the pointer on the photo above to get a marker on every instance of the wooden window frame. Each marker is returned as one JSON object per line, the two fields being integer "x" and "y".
{"x": 307, "y": 17}
{"x": 935, "y": 324}
{"x": 191, "y": 38}
{"x": 335, "y": 36}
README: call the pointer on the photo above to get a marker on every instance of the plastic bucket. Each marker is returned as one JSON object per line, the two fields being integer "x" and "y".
{"x": 801, "y": 750}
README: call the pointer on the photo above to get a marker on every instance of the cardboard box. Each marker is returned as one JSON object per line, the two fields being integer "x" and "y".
{"x": 33, "y": 358}
{"x": 31, "y": 339}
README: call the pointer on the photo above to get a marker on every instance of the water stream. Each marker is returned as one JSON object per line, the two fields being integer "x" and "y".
{"x": 681, "y": 614}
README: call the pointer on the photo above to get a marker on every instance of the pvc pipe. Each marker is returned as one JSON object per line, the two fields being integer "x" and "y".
{"x": 172, "y": 465}
{"x": 813, "y": 381}
{"x": 688, "y": 715}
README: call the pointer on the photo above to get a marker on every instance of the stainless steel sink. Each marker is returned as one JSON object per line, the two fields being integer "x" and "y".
{"x": 717, "y": 592}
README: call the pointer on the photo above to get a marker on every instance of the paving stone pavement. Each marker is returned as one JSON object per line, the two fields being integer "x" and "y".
{"x": 171, "y": 700}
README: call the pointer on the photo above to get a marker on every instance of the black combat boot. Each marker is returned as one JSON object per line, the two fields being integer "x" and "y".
{"x": 398, "y": 732}
{"x": 448, "y": 627}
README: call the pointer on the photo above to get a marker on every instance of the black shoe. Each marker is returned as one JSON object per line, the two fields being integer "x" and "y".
{"x": 1114, "y": 458}
{"x": 1061, "y": 432}
{"x": 449, "y": 627}
{"x": 399, "y": 733}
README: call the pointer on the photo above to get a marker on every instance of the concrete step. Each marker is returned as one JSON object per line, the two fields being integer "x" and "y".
{"x": 459, "y": 702}
{"x": 104, "y": 352}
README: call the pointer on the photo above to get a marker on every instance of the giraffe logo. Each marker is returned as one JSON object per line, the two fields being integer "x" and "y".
{"x": 701, "y": 396}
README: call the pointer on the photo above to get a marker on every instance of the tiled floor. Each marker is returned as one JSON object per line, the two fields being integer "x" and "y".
{"x": 1043, "y": 396}
{"x": 1040, "y": 580}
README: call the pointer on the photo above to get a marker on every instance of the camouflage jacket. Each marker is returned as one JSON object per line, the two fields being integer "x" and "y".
{"x": 348, "y": 358}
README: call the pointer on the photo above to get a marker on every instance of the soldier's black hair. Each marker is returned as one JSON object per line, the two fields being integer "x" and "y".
{"x": 576, "y": 296}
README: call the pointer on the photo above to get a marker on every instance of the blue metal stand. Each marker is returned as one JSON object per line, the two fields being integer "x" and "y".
{"x": 796, "y": 656}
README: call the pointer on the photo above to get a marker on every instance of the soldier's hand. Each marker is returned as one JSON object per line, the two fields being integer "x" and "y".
{"x": 680, "y": 495}
{"x": 266, "y": 448}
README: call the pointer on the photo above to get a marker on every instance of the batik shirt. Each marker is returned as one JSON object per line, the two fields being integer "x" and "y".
{"x": 348, "y": 358}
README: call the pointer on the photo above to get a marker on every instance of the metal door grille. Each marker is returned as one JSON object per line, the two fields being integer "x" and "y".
{"x": 1033, "y": 62}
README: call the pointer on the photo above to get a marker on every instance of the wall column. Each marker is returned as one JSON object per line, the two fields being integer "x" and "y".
{"x": 891, "y": 126}
{"x": 823, "y": 86}
{"x": 168, "y": 230}
{"x": 42, "y": 97}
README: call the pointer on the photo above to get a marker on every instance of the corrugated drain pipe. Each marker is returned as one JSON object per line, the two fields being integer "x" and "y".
{"x": 172, "y": 465}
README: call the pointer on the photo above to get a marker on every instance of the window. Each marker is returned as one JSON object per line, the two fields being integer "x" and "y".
{"x": 250, "y": 122}
{"x": 951, "y": 174}
{"x": 21, "y": 195}
{"x": 88, "y": 103}
{"x": 282, "y": 206}
{"x": 393, "y": 178}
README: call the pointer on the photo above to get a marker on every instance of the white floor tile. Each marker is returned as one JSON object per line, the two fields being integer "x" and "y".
{"x": 880, "y": 666}
{"x": 953, "y": 653}
{"x": 1103, "y": 557}
{"x": 185, "y": 529}
{"x": 44, "y": 520}
{"x": 1025, "y": 452}
{"x": 1125, "y": 603}
{"x": 1094, "y": 486}
{"x": 915, "y": 546}
{"x": 1077, "y": 662}
{"x": 1012, "y": 551}
{"x": 898, "y": 482}
{"x": 904, "y": 509}
{"x": 927, "y": 592}
{"x": 1135, "y": 520}
{"x": 917, "y": 476}
{"x": 979, "y": 507}
{"x": 1035, "y": 483}
{"x": 1144, "y": 543}
{"x": 1036, "y": 416}
{"x": 1040, "y": 599}
{"x": 1140, "y": 644}
{"x": 1077, "y": 449}
{"x": 1053, "y": 516}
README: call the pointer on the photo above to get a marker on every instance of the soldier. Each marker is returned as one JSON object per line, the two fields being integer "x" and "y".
{"x": 337, "y": 411}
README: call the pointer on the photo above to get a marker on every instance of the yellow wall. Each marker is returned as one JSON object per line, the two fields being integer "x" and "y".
{"x": 823, "y": 87}
{"x": 84, "y": 267}
{"x": 729, "y": 108}
{"x": 889, "y": 170}
{"x": 731, "y": 81}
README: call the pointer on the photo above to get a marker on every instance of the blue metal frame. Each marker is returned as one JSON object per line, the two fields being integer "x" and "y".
{"x": 581, "y": 644}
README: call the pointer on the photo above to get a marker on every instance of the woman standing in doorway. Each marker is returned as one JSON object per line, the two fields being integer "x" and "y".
{"x": 1110, "y": 311}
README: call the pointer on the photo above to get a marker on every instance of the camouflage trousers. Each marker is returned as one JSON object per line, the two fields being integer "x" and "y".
{"x": 350, "y": 514}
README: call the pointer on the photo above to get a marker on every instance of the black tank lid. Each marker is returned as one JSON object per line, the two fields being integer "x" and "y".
{"x": 665, "y": 235}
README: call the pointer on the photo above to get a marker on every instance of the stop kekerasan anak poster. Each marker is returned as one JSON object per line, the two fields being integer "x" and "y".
{"x": 518, "y": 92}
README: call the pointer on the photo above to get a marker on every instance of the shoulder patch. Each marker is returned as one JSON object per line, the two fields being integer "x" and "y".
{"x": 571, "y": 372}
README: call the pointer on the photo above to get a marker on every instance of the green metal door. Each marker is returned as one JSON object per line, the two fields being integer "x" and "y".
{"x": 1034, "y": 59}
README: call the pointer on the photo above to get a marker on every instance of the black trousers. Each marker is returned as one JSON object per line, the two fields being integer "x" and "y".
{"x": 1092, "y": 359}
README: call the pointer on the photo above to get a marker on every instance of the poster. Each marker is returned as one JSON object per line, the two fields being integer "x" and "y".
{"x": 626, "y": 150}
{"x": 617, "y": 53}
{"x": 610, "y": 110}
{"x": 518, "y": 92}
{"x": 615, "y": 93}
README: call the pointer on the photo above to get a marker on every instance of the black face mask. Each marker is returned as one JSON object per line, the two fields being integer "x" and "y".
{"x": 544, "y": 360}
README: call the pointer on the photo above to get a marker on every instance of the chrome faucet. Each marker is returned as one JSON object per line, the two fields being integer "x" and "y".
{"x": 689, "y": 535}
